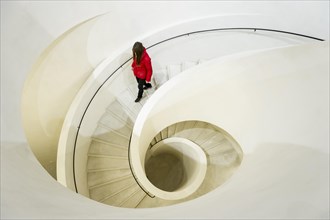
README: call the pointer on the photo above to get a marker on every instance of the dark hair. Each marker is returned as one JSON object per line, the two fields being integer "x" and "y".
{"x": 137, "y": 50}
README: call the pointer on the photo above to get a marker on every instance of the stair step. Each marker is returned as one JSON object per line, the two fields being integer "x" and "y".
{"x": 125, "y": 135}
{"x": 199, "y": 128}
{"x": 205, "y": 136}
{"x": 219, "y": 148}
{"x": 171, "y": 130}
{"x": 108, "y": 156}
{"x": 102, "y": 133}
{"x": 216, "y": 141}
{"x": 116, "y": 193}
{"x": 200, "y": 61}
{"x": 118, "y": 198}
{"x": 98, "y": 145}
{"x": 126, "y": 99}
{"x": 190, "y": 125}
{"x": 153, "y": 142}
{"x": 133, "y": 88}
{"x": 106, "y": 163}
{"x": 111, "y": 181}
{"x": 207, "y": 132}
{"x": 134, "y": 199}
{"x": 115, "y": 123}
{"x": 158, "y": 137}
{"x": 210, "y": 138}
{"x": 178, "y": 128}
{"x": 107, "y": 169}
{"x": 186, "y": 130}
{"x": 225, "y": 159}
{"x": 188, "y": 64}
{"x": 117, "y": 110}
{"x": 98, "y": 177}
{"x": 173, "y": 70}
{"x": 146, "y": 93}
{"x": 102, "y": 149}
{"x": 148, "y": 202}
{"x": 213, "y": 142}
{"x": 141, "y": 200}
{"x": 160, "y": 77}
{"x": 164, "y": 133}
{"x": 106, "y": 191}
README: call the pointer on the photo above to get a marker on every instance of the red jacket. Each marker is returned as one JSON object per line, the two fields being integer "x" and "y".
{"x": 144, "y": 70}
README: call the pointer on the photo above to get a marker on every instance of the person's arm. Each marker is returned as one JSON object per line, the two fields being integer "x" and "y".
{"x": 149, "y": 70}
{"x": 133, "y": 65}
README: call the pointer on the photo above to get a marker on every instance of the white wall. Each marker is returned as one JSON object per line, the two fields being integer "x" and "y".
{"x": 27, "y": 28}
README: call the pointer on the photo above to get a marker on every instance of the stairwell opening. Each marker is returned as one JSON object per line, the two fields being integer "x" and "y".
{"x": 165, "y": 171}
{"x": 176, "y": 166}
{"x": 188, "y": 159}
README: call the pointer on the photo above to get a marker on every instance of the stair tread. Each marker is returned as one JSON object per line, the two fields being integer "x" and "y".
{"x": 110, "y": 181}
{"x": 106, "y": 191}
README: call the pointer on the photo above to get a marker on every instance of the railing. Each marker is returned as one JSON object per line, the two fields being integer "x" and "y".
{"x": 132, "y": 169}
{"x": 153, "y": 45}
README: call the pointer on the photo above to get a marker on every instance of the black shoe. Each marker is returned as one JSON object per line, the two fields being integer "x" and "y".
{"x": 137, "y": 99}
{"x": 147, "y": 86}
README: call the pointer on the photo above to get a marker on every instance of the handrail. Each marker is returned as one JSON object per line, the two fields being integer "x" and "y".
{"x": 131, "y": 168}
{"x": 153, "y": 45}
{"x": 227, "y": 29}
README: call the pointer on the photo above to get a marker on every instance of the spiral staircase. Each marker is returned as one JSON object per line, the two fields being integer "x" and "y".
{"x": 109, "y": 177}
{"x": 242, "y": 135}
{"x": 110, "y": 159}
{"x": 184, "y": 158}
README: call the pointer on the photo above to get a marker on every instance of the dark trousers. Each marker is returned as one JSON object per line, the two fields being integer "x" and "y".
{"x": 141, "y": 83}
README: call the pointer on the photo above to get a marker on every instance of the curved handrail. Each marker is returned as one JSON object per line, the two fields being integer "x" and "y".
{"x": 153, "y": 45}
{"x": 131, "y": 168}
{"x": 227, "y": 29}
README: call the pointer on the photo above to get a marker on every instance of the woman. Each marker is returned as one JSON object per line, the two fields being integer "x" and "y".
{"x": 142, "y": 68}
